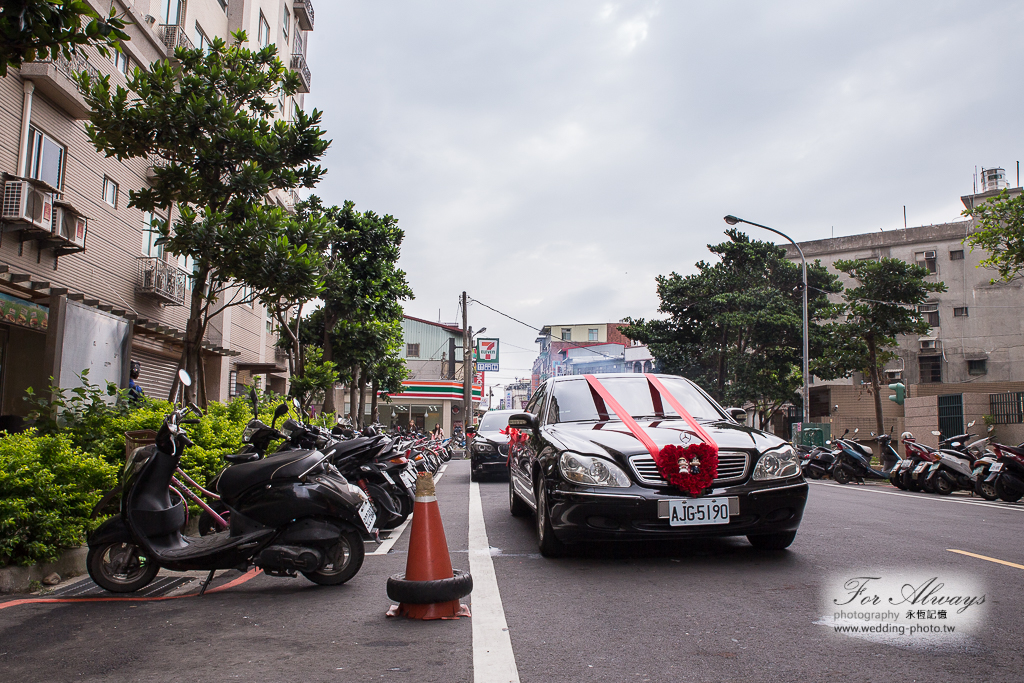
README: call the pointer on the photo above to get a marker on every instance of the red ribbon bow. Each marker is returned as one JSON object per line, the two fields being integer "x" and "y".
{"x": 691, "y": 468}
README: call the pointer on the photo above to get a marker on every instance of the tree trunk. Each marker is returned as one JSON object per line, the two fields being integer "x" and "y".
{"x": 329, "y": 403}
{"x": 875, "y": 385}
{"x": 195, "y": 330}
{"x": 362, "y": 397}
{"x": 374, "y": 417}
{"x": 352, "y": 395}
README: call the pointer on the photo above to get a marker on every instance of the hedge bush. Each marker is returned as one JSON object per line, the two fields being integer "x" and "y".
{"x": 48, "y": 488}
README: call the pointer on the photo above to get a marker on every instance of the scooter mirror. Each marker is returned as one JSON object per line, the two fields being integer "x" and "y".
{"x": 185, "y": 378}
{"x": 296, "y": 404}
{"x": 971, "y": 423}
{"x": 991, "y": 428}
{"x": 856, "y": 430}
{"x": 279, "y": 412}
{"x": 829, "y": 442}
{"x": 935, "y": 433}
{"x": 255, "y": 400}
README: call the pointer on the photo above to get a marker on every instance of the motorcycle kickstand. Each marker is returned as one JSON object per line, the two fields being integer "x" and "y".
{"x": 206, "y": 583}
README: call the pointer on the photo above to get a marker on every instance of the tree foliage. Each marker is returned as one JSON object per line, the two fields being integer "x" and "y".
{"x": 48, "y": 29}
{"x": 736, "y": 326}
{"x": 999, "y": 230}
{"x": 884, "y": 304}
{"x": 211, "y": 120}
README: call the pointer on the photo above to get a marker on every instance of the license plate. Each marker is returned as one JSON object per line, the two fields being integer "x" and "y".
{"x": 693, "y": 512}
{"x": 996, "y": 467}
{"x": 368, "y": 515}
{"x": 920, "y": 468}
{"x": 388, "y": 477}
{"x": 935, "y": 466}
{"x": 905, "y": 465}
{"x": 409, "y": 478}
{"x": 978, "y": 470}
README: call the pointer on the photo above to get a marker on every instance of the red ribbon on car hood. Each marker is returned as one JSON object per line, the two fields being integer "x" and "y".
{"x": 600, "y": 391}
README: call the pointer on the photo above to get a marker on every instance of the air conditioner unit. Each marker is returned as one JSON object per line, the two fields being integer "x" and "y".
{"x": 893, "y": 375}
{"x": 929, "y": 254}
{"x": 26, "y": 203}
{"x": 927, "y": 344}
{"x": 69, "y": 226}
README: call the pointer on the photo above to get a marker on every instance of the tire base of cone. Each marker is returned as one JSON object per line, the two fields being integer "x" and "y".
{"x": 430, "y": 588}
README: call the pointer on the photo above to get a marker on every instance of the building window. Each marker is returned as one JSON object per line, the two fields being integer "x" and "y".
{"x": 170, "y": 11}
{"x": 286, "y": 24}
{"x": 960, "y": 312}
{"x": 977, "y": 367}
{"x": 566, "y": 334}
{"x": 931, "y": 369}
{"x": 926, "y": 259}
{"x": 930, "y": 313}
{"x": 280, "y": 102}
{"x": 592, "y": 335}
{"x": 202, "y": 42}
{"x": 270, "y": 326}
{"x": 121, "y": 62}
{"x": 956, "y": 255}
{"x": 412, "y": 350}
{"x": 150, "y": 234}
{"x": 45, "y": 158}
{"x": 263, "y": 37}
{"x": 223, "y": 5}
{"x": 110, "y": 192}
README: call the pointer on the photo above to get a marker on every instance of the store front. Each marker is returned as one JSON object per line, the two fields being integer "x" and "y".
{"x": 424, "y": 404}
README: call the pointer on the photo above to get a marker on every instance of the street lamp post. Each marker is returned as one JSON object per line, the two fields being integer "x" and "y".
{"x": 733, "y": 220}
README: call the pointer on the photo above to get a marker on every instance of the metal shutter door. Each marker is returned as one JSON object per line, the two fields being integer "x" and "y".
{"x": 156, "y": 374}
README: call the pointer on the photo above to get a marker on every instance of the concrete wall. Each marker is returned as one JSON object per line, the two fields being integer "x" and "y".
{"x": 921, "y": 417}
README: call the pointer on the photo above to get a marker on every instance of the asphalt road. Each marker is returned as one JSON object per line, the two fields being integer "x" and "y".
{"x": 714, "y": 611}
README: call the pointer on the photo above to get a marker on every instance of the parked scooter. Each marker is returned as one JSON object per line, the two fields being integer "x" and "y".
{"x": 818, "y": 461}
{"x": 954, "y": 468}
{"x": 1007, "y": 474}
{"x": 853, "y": 462}
{"x": 291, "y": 512}
{"x": 916, "y": 462}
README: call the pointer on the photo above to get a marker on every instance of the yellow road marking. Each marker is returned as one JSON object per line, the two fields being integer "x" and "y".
{"x": 983, "y": 557}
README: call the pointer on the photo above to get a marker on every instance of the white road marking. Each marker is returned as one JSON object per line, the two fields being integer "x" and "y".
{"x": 385, "y": 547}
{"x": 493, "y": 659}
{"x": 935, "y": 498}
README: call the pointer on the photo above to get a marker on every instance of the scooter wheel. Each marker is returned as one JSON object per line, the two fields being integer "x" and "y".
{"x": 1007, "y": 494}
{"x": 909, "y": 483}
{"x": 344, "y": 559}
{"x": 941, "y": 486}
{"x": 120, "y": 567}
{"x": 927, "y": 484}
{"x": 841, "y": 476}
{"x": 986, "y": 490}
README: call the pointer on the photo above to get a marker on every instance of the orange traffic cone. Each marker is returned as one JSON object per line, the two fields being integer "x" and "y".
{"x": 430, "y": 588}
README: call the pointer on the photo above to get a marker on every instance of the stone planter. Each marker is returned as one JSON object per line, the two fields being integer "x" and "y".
{"x": 19, "y": 579}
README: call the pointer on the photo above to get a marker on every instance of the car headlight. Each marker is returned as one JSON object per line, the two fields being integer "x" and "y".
{"x": 583, "y": 469}
{"x": 483, "y": 447}
{"x": 778, "y": 463}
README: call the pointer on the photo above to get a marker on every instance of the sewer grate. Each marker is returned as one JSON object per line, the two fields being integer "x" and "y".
{"x": 88, "y": 589}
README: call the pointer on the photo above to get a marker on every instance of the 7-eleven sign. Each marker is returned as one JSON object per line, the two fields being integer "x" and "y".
{"x": 487, "y": 355}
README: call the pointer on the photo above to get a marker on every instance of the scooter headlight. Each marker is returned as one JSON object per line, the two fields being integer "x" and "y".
{"x": 778, "y": 463}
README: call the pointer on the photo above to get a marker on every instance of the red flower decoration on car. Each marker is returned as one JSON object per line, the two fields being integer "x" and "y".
{"x": 691, "y": 468}
{"x": 515, "y": 437}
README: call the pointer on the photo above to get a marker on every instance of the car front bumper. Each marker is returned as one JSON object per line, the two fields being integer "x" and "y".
{"x": 489, "y": 463}
{"x": 590, "y": 514}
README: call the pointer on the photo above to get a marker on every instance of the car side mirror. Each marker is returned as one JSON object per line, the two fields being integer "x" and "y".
{"x": 523, "y": 421}
{"x": 737, "y": 414}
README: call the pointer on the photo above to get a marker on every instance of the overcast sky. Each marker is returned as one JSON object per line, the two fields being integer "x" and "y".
{"x": 578, "y": 149}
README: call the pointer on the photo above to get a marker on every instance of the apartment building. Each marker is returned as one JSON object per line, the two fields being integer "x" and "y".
{"x": 976, "y": 341}
{"x": 83, "y": 286}
{"x": 590, "y": 347}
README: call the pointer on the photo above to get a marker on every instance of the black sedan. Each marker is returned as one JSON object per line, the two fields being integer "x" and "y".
{"x": 588, "y": 475}
{"x": 489, "y": 448}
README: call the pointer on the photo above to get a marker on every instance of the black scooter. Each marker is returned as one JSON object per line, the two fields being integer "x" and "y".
{"x": 289, "y": 513}
{"x": 853, "y": 462}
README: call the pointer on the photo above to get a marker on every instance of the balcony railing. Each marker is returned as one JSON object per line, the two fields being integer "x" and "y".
{"x": 55, "y": 79}
{"x": 304, "y": 14}
{"x": 174, "y": 37}
{"x": 299, "y": 66}
{"x": 162, "y": 280}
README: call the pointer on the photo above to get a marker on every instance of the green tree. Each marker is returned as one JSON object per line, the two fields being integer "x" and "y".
{"x": 884, "y": 304}
{"x": 736, "y": 326}
{"x": 212, "y": 122}
{"x": 999, "y": 229}
{"x": 47, "y": 29}
{"x": 317, "y": 378}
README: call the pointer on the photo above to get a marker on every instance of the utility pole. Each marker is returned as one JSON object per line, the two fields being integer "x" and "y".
{"x": 467, "y": 368}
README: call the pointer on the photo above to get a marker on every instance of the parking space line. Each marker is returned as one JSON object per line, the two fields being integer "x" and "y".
{"x": 944, "y": 499}
{"x": 493, "y": 658}
{"x": 985, "y": 557}
{"x": 385, "y": 547}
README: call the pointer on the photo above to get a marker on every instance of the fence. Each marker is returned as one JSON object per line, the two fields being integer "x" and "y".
{"x": 1007, "y": 409}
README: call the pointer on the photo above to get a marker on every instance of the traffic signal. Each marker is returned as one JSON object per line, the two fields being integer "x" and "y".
{"x": 901, "y": 393}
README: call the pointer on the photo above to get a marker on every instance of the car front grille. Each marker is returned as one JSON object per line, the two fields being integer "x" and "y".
{"x": 732, "y": 466}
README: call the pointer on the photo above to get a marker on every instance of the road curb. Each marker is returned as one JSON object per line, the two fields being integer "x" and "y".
{"x": 19, "y": 579}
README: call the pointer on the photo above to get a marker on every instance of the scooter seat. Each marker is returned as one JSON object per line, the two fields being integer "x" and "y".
{"x": 239, "y": 458}
{"x": 237, "y": 479}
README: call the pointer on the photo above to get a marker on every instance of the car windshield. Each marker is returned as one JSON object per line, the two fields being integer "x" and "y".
{"x": 494, "y": 422}
{"x": 573, "y": 401}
